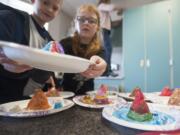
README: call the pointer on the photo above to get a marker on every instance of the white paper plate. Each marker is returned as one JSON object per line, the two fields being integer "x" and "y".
{"x": 164, "y": 119}
{"x": 78, "y": 101}
{"x": 43, "y": 59}
{"x": 63, "y": 94}
{"x": 5, "y": 108}
{"x": 111, "y": 94}
{"x": 156, "y": 98}
{"x": 153, "y": 97}
{"x": 126, "y": 96}
{"x": 67, "y": 94}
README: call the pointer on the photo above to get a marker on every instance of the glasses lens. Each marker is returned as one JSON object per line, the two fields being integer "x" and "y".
{"x": 92, "y": 21}
{"x": 84, "y": 20}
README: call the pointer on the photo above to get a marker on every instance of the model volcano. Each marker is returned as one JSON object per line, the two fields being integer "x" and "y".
{"x": 54, "y": 47}
{"x": 102, "y": 95}
{"x": 166, "y": 91}
{"x": 139, "y": 110}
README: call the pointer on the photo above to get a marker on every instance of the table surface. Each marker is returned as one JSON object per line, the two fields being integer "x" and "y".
{"x": 73, "y": 121}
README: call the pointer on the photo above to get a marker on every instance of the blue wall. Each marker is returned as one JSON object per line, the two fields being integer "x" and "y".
{"x": 150, "y": 33}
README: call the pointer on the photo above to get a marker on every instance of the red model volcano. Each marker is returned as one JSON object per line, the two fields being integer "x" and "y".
{"x": 133, "y": 93}
{"x": 54, "y": 47}
{"x": 166, "y": 91}
{"x": 139, "y": 110}
{"x": 139, "y": 105}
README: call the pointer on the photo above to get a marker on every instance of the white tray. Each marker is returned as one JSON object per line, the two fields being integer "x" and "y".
{"x": 63, "y": 94}
{"x": 5, "y": 108}
{"x": 113, "y": 100}
{"x": 169, "y": 115}
{"x": 43, "y": 59}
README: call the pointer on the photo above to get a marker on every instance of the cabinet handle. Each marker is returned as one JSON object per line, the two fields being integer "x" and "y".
{"x": 141, "y": 63}
{"x": 171, "y": 62}
{"x": 148, "y": 63}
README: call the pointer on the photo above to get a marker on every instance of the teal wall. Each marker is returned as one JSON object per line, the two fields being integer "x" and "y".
{"x": 112, "y": 83}
{"x": 176, "y": 41}
{"x": 150, "y": 41}
{"x": 157, "y": 45}
{"x": 133, "y": 48}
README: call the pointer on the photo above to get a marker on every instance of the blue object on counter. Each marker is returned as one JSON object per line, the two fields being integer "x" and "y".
{"x": 159, "y": 118}
{"x": 58, "y": 105}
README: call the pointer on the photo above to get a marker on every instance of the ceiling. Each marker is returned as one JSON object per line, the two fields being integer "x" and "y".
{"x": 70, "y": 6}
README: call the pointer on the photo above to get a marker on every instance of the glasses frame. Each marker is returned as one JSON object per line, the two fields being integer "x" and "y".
{"x": 83, "y": 20}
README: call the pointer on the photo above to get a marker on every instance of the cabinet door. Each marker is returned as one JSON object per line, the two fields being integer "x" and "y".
{"x": 176, "y": 40}
{"x": 133, "y": 48}
{"x": 157, "y": 45}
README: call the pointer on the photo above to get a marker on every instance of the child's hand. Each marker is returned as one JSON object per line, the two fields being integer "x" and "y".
{"x": 11, "y": 65}
{"x": 95, "y": 69}
{"x": 16, "y": 67}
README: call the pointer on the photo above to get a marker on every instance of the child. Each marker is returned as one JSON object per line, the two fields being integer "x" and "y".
{"x": 20, "y": 27}
{"x": 105, "y": 7}
{"x": 86, "y": 44}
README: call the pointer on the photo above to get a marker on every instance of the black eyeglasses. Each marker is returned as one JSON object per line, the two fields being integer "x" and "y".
{"x": 82, "y": 20}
